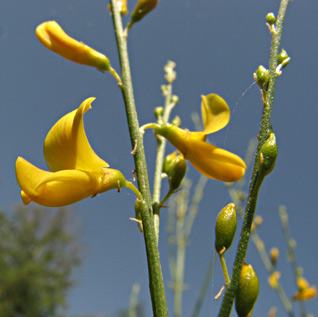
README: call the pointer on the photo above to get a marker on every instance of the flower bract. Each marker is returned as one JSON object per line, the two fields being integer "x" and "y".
{"x": 76, "y": 172}
{"x": 208, "y": 159}
{"x": 52, "y": 36}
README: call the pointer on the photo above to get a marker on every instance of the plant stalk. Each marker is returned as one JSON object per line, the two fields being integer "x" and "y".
{"x": 156, "y": 283}
{"x": 257, "y": 179}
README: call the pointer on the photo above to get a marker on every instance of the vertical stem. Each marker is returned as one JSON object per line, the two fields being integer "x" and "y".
{"x": 156, "y": 283}
{"x": 256, "y": 181}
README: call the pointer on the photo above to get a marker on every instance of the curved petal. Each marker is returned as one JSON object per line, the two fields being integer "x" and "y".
{"x": 215, "y": 113}
{"x": 64, "y": 187}
{"x": 66, "y": 145}
{"x": 52, "y": 36}
{"x": 215, "y": 162}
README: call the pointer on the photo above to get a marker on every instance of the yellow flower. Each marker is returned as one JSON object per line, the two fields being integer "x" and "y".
{"x": 52, "y": 36}
{"x": 305, "y": 292}
{"x": 208, "y": 159}
{"x": 76, "y": 172}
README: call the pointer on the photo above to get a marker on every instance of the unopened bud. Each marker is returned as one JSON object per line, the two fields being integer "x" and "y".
{"x": 142, "y": 8}
{"x": 175, "y": 166}
{"x": 261, "y": 76}
{"x": 283, "y": 58}
{"x": 270, "y": 18}
{"x": 158, "y": 112}
{"x": 176, "y": 121}
{"x": 225, "y": 228}
{"x": 268, "y": 155}
{"x": 247, "y": 291}
{"x": 274, "y": 253}
{"x": 52, "y": 36}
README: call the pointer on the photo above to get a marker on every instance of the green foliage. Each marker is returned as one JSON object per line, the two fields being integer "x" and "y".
{"x": 38, "y": 253}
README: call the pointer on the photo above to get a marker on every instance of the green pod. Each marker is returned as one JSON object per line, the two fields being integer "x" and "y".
{"x": 261, "y": 76}
{"x": 268, "y": 155}
{"x": 247, "y": 291}
{"x": 225, "y": 228}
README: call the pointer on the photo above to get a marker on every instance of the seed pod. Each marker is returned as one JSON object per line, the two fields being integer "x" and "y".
{"x": 247, "y": 291}
{"x": 268, "y": 155}
{"x": 225, "y": 228}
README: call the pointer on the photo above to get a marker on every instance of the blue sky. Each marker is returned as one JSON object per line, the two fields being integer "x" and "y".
{"x": 217, "y": 45}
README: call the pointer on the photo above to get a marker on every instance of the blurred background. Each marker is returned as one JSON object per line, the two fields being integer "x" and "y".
{"x": 216, "y": 45}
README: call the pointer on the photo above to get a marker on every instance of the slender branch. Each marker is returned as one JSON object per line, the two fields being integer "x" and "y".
{"x": 256, "y": 181}
{"x": 156, "y": 283}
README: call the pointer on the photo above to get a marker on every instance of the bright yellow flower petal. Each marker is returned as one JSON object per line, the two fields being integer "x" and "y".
{"x": 215, "y": 162}
{"x": 306, "y": 294}
{"x": 215, "y": 113}
{"x": 52, "y": 36}
{"x": 208, "y": 159}
{"x": 64, "y": 187}
{"x": 66, "y": 145}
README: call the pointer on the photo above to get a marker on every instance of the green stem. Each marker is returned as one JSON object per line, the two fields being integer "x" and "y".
{"x": 161, "y": 147}
{"x": 291, "y": 253}
{"x": 269, "y": 267}
{"x": 256, "y": 181}
{"x": 156, "y": 283}
{"x": 224, "y": 269}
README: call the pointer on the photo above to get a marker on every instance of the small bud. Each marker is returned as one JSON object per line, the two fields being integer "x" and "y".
{"x": 261, "y": 76}
{"x": 270, "y": 18}
{"x": 283, "y": 58}
{"x": 176, "y": 121}
{"x": 175, "y": 99}
{"x": 122, "y": 7}
{"x": 225, "y": 228}
{"x": 158, "y": 112}
{"x": 274, "y": 253}
{"x": 247, "y": 291}
{"x": 52, "y": 36}
{"x": 268, "y": 155}
{"x": 175, "y": 166}
{"x": 258, "y": 220}
{"x": 142, "y": 8}
{"x": 273, "y": 279}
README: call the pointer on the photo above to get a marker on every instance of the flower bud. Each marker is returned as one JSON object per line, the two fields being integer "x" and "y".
{"x": 268, "y": 155}
{"x": 261, "y": 76}
{"x": 52, "y": 36}
{"x": 142, "y": 8}
{"x": 247, "y": 291}
{"x": 175, "y": 166}
{"x": 274, "y": 253}
{"x": 158, "y": 112}
{"x": 283, "y": 58}
{"x": 176, "y": 121}
{"x": 225, "y": 228}
{"x": 122, "y": 7}
{"x": 270, "y": 18}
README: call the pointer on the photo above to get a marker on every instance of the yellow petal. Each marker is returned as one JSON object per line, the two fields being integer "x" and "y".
{"x": 215, "y": 162}
{"x": 52, "y": 36}
{"x": 66, "y": 145}
{"x": 215, "y": 113}
{"x": 306, "y": 294}
{"x": 64, "y": 187}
